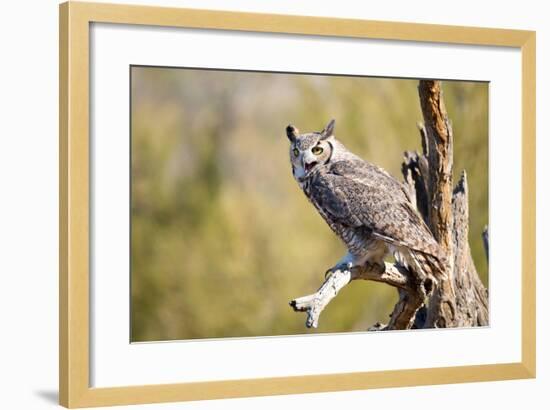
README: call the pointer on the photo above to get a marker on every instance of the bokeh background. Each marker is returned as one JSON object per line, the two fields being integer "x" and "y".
{"x": 222, "y": 238}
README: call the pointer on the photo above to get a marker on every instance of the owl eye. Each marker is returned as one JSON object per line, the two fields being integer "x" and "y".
{"x": 317, "y": 150}
{"x": 296, "y": 152}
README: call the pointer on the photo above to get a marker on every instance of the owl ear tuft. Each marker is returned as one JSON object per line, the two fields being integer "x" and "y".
{"x": 292, "y": 132}
{"x": 329, "y": 130}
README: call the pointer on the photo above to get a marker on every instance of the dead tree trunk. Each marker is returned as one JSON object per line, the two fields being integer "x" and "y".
{"x": 460, "y": 299}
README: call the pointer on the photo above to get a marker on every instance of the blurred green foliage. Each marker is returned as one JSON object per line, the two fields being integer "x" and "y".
{"x": 222, "y": 237}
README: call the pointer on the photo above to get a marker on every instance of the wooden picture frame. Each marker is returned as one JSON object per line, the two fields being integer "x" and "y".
{"x": 74, "y": 353}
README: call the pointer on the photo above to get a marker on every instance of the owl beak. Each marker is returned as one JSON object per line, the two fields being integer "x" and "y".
{"x": 308, "y": 167}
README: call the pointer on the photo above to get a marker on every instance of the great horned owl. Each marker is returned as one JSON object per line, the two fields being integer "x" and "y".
{"x": 364, "y": 205}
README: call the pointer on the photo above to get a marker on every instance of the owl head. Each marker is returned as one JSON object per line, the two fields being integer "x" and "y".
{"x": 311, "y": 150}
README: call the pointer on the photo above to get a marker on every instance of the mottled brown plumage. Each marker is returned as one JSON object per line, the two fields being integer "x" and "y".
{"x": 363, "y": 204}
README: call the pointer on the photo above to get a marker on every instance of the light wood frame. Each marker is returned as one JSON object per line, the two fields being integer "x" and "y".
{"x": 74, "y": 311}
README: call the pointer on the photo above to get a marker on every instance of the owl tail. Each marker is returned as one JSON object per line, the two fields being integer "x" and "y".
{"x": 423, "y": 265}
{"x": 432, "y": 265}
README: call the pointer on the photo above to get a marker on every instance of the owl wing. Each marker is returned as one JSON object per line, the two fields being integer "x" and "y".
{"x": 366, "y": 197}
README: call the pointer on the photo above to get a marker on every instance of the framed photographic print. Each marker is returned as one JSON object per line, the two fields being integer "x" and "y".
{"x": 257, "y": 204}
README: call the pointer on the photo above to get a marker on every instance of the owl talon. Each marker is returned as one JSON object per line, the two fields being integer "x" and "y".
{"x": 339, "y": 267}
{"x": 379, "y": 268}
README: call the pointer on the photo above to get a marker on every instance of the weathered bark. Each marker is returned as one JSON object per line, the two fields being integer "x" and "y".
{"x": 471, "y": 296}
{"x": 460, "y": 298}
{"x": 392, "y": 274}
{"x": 442, "y": 307}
